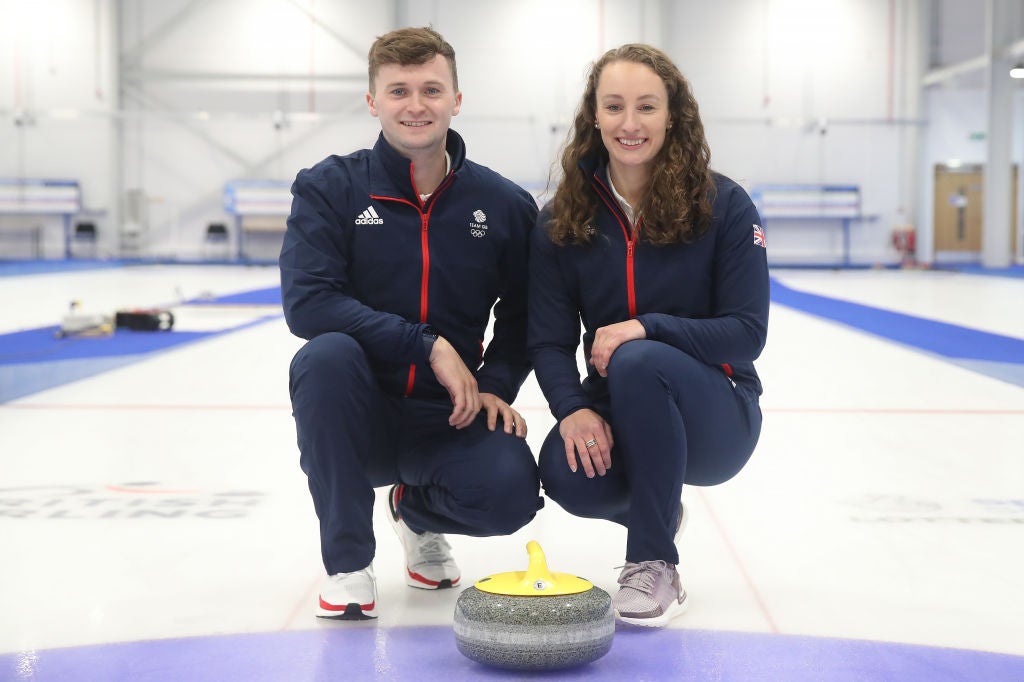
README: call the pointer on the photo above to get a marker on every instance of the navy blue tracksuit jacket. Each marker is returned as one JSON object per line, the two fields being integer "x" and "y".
{"x": 708, "y": 298}
{"x": 364, "y": 256}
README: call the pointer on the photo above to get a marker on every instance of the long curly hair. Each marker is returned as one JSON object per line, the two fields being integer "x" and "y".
{"x": 676, "y": 206}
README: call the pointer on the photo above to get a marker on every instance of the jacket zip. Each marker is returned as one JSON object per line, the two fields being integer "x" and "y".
{"x": 630, "y": 236}
{"x": 424, "y": 250}
{"x": 608, "y": 198}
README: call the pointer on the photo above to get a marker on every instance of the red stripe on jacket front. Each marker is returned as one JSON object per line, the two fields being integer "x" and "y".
{"x": 425, "y": 253}
{"x": 630, "y": 236}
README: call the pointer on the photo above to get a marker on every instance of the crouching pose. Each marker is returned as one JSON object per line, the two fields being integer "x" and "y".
{"x": 392, "y": 262}
{"x": 664, "y": 263}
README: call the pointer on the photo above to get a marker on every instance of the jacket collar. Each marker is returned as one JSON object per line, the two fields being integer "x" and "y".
{"x": 595, "y": 163}
{"x": 391, "y": 173}
{"x": 595, "y": 170}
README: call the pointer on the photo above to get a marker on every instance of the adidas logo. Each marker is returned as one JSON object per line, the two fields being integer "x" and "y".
{"x": 369, "y": 217}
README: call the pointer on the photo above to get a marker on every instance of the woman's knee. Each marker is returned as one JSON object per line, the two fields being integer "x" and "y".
{"x": 644, "y": 357}
{"x": 639, "y": 368}
{"x": 596, "y": 498}
{"x": 553, "y": 466}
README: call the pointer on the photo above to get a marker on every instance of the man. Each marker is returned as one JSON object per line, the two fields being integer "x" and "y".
{"x": 391, "y": 264}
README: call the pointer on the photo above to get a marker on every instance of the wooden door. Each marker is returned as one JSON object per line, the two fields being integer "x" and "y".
{"x": 959, "y": 194}
{"x": 958, "y": 203}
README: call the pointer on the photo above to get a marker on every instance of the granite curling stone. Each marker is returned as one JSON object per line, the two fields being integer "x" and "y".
{"x": 534, "y": 619}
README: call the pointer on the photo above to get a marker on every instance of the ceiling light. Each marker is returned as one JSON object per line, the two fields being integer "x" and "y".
{"x": 1017, "y": 71}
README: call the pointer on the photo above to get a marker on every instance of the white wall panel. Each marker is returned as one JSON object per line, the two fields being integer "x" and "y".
{"x": 57, "y": 106}
{"x": 790, "y": 91}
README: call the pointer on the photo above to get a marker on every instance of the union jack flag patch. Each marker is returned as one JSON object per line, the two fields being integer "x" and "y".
{"x": 759, "y": 236}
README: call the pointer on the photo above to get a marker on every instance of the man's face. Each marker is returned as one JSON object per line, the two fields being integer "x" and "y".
{"x": 415, "y": 105}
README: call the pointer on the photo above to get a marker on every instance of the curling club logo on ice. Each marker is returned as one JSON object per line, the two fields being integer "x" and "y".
{"x": 477, "y": 227}
{"x": 125, "y": 501}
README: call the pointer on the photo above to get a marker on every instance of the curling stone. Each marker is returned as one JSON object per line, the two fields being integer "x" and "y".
{"x": 534, "y": 619}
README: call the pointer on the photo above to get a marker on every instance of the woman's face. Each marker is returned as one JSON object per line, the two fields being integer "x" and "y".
{"x": 632, "y": 113}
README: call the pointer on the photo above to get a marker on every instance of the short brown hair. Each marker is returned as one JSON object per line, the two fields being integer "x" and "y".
{"x": 406, "y": 46}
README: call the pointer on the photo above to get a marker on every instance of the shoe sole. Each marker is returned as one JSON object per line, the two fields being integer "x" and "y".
{"x": 676, "y": 609}
{"x": 419, "y": 582}
{"x": 352, "y": 611}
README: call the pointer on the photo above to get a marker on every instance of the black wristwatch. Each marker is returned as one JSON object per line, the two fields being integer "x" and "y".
{"x": 429, "y": 337}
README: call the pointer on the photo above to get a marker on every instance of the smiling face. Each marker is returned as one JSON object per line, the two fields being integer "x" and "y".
{"x": 415, "y": 104}
{"x": 633, "y": 114}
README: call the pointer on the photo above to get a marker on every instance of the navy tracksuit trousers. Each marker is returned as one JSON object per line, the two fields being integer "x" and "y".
{"x": 353, "y": 437}
{"x": 674, "y": 420}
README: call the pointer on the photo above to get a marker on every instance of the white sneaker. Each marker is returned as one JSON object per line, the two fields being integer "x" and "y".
{"x": 349, "y": 596}
{"x": 429, "y": 564}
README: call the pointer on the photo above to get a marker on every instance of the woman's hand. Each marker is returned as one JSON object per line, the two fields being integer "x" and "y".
{"x": 589, "y": 437}
{"x": 608, "y": 339}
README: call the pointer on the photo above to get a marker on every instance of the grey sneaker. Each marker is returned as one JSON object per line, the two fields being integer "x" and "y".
{"x": 650, "y": 594}
{"x": 429, "y": 564}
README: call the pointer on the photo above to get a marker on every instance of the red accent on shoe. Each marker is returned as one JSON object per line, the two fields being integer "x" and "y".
{"x": 396, "y": 496}
{"x": 335, "y": 607}
{"x": 427, "y": 581}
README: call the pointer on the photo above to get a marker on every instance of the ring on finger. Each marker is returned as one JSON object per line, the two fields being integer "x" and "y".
{"x": 591, "y": 443}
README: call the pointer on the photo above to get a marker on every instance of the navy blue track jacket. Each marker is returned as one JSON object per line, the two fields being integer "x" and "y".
{"x": 364, "y": 256}
{"x": 708, "y": 298}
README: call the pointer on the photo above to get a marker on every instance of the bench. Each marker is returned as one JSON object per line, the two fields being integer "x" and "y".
{"x": 838, "y": 205}
{"x": 257, "y": 206}
{"x": 39, "y": 197}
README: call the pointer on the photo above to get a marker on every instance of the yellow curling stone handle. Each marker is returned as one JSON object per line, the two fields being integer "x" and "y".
{"x": 535, "y": 581}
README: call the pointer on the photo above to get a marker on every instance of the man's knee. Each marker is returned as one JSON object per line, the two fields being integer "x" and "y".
{"x": 333, "y": 359}
{"x": 329, "y": 351}
{"x": 512, "y": 493}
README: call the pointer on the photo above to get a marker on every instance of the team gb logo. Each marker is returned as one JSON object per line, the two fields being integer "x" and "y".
{"x": 478, "y": 226}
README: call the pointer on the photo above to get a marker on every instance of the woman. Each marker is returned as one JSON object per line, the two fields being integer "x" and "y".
{"x": 664, "y": 262}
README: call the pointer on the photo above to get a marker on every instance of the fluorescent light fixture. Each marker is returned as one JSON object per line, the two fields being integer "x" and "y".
{"x": 1017, "y": 71}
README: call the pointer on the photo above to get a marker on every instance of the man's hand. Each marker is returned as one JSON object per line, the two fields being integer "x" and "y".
{"x": 452, "y": 373}
{"x": 608, "y": 339}
{"x": 512, "y": 420}
{"x": 584, "y": 427}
